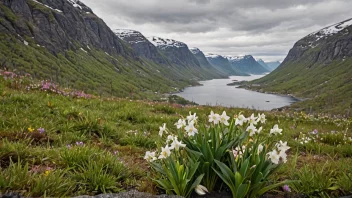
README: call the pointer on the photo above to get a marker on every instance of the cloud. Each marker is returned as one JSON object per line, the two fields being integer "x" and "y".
{"x": 267, "y": 28}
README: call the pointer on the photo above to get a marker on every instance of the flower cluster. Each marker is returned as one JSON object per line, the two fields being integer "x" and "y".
{"x": 216, "y": 118}
{"x": 40, "y": 130}
{"x": 188, "y": 125}
{"x": 280, "y": 153}
{"x": 172, "y": 143}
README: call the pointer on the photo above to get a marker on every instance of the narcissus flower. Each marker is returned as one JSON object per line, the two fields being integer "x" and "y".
{"x": 214, "y": 117}
{"x": 224, "y": 118}
{"x": 201, "y": 190}
{"x": 275, "y": 130}
{"x": 261, "y": 118}
{"x": 192, "y": 118}
{"x": 150, "y": 156}
{"x": 180, "y": 123}
{"x": 274, "y": 157}
{"x": 177, "y": 144}
{"x": 165, "y": 152}
{"x": 240, "y": 120}
{"x": 162, "y": 129}
{"x": 190, "y": 129}
{"x": 252, "y": 120}
{"x": 251, "y": 130}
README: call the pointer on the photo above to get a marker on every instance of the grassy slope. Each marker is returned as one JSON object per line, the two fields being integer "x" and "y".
{"x": 129, "y": 127}
{"x": 93, "y": 72}
{"x": 328, "y": 88}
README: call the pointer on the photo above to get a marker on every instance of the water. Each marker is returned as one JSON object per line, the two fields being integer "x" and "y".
{"x": 216, "y": 92}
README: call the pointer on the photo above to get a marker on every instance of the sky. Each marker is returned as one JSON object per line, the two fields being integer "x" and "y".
{"x": 266, "y": 29}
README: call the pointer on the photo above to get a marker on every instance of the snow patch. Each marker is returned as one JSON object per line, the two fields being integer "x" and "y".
{"x": 25, "y": 42}
{"x": 88, "y": 47}
{"x": 75, "y": 3}
{"x": 194, "y": 50}
{"x": 234, "y": 58}
{"x": 84, "y": 50}
{"x": 330, "y": 30}
{"x": 212, "y": 56}
{"x": 130, "y": 36}
{"x": 165, "y": 43}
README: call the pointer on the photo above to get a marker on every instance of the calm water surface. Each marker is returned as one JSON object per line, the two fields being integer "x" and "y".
{"x": 216, "y": 92}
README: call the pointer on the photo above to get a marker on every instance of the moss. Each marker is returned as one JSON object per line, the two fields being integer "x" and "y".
{"x": 8, "y": 13}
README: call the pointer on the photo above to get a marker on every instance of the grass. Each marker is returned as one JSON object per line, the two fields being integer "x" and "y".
{"x": 115, "y": 133}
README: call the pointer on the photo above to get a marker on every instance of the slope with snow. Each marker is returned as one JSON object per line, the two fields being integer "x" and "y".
{"x": 166, "y": 43}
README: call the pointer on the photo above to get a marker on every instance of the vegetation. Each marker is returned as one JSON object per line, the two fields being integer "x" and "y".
{"x": 56, "y": 144}
{"x": 324, "y": 88}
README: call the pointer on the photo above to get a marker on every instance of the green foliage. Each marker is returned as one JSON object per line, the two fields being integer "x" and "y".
{"x": 177, "y": 175}
{"x": 8, "y": 13}
{"x": 52, "y": 184}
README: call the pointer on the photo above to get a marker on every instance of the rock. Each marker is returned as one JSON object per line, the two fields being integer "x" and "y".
{"x": 129, "y": 194}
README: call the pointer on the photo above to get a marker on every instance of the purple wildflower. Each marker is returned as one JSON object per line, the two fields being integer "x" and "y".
{"x": 69, "y": 146}
{"x": 41, "y": 130}
{"x": 79, "y": 143}
{"x": 286, "y": 188}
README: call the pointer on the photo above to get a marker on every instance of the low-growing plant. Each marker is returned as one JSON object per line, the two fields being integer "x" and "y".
{"x": 235, "y": 152}
{"x": 53, "y": 183}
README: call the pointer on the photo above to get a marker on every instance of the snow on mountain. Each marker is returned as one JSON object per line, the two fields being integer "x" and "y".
{"x": 165, "y": 43}
{"x": 131, "y": 36}
{"x": 330, "y": 30}
{"x": 234, "y": 58}
{"x": 194, "y": 50}
{"x": 212, "y": 56}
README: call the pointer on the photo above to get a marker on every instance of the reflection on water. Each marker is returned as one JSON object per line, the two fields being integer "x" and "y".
{"x": 216, "y": 92}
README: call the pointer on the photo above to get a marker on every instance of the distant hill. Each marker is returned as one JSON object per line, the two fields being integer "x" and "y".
{"x": 318, "y": 68}
{"x": 246, "y": 64}
{"x": 222, "y": 64}
{"x": 273, "y": 65}
{"x": 262, "y": 63}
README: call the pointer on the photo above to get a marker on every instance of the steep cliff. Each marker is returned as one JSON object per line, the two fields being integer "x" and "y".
{"x": 319, "y": 68}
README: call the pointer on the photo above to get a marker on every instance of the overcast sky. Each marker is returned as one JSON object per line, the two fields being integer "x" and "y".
{"x": 266, "y": 29}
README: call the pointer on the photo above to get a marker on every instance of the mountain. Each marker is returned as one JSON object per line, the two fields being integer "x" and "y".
{"x": 141, "y": 45}
{"x": 204, "y": 63}
{"x": 246, "y": 64}
{"x": 273, "y": 65}
{"x": 65, "y": 42}
{"x": 177, "y": 52}
{"x": 223, "y": 65}
{"x": 263, "y": 64}
{"x": 318, "y": 68}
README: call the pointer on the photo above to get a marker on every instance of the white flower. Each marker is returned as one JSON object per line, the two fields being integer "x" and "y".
{"x": 214, "y": 117}
{"x": 282, "y": 146}
{"x": 192, "y": 118}
{"x": 177, "y": 144}
{"x": 260, "y": 148}
{"x": 190, "y": 129}
{"x": 224, "y": 118}
{"x": 165, "y": 152}
{"x": 252, "y": 120}
{"x": 240, "y": 120}
{"x": 283, "y": 156}
{"x": 251, "y": 129}
{"x": 260, "y": 130}
{"x": 201, "y": 190}
{"x": 275, "y": 130}
{"x": 261, "y": 118}
{"x": 274, "y": 157}
{"x": 180, "y": 123}
{"x": 162, "y": 129}
{"x": 150, "y": 156}
{"x": 170, "y": 138}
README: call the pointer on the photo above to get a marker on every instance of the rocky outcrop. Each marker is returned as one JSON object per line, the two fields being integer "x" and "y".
{"x": 58, "y": 25}
{"x": 246, "y": 64}
{"x": 324, "y": 46}
{"x": 141, "y": 45}
{"x": 177, "y": 52}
